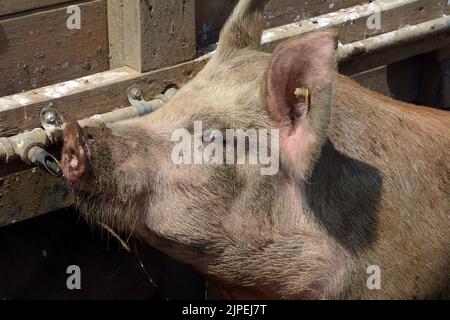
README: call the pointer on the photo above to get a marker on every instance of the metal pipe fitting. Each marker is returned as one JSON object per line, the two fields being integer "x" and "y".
{"x": 41, "y": 158}
{"x": 144, "y": 107}
{"x": 18, "y": 146}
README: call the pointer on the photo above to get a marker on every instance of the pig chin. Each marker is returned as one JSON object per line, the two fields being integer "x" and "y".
{"x": 99, "y": 199}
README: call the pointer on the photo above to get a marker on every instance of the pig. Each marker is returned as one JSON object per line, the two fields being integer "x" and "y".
{"x": 359, "y": 208}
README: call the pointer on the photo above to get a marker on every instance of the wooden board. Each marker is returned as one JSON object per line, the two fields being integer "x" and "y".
{"x": 16, "y": 6}
{"x": 89, "y": 95}
{"x": 157, "y": 34}
{"x": 212, "y": 14}
{"x": 115, "y": 34}
{"x": 30, "y": 193}
{"x": 38, "y": 49}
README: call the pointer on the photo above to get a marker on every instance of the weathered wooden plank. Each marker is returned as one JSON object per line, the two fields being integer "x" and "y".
{"x": 30, "y": 193}
{"x": 89, "y": 95}
{"x": 157, "y": 33}
{"x": 38, "y": 49}
{"x": 212, "y": 14}
{"x": 360, "y": 60}
{"x": 16, "y": 6}
{"x": 115, "y": 33}
{"x": 352, "y": 23}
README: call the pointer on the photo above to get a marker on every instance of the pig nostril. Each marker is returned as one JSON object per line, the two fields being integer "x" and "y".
{"x": 72, "y": 159}
{"x": 73, "y": 162}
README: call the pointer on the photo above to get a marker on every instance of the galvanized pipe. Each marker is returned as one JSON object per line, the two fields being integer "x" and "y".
{"x": 17, "y": 147}
{"x": 399, "y": 37}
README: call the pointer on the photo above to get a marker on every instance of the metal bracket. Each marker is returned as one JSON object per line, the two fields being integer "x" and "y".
{"x": 136, "y": 99}
{"x": 143, "y": 107}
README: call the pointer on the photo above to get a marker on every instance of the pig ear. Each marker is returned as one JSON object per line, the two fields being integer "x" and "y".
{"x": 298, "y": 95}
{"x": 244, "y": 27}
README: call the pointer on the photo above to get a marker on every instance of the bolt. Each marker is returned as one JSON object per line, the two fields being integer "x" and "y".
{"x": 136, "y": 93}
{"x": 50, "y": 117}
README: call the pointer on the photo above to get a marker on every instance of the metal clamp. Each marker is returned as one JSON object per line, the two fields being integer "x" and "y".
{"x": 136, "y": 99}
{"x": 50, "y": 119}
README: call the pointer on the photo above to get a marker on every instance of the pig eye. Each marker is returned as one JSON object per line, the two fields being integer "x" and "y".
{"x": 212, "y": 135}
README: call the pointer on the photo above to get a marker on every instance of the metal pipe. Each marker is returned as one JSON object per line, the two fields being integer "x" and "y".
{"x": 399, "y": 37}
{"x": 17, "y": 147}
{"x": 29, "y": 146}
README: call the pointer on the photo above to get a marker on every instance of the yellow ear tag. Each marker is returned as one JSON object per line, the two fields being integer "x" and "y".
{"x": 303, "y": 92}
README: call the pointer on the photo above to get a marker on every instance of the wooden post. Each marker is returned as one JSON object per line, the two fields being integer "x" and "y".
{"x": 115, "y": 34}
{"x": 151, "y": 34}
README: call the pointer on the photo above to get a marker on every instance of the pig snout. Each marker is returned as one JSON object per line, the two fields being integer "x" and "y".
{"x": 74, "y": 154}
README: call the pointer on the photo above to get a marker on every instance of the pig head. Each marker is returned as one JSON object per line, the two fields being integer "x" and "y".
{"x": 363, "y": 180}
